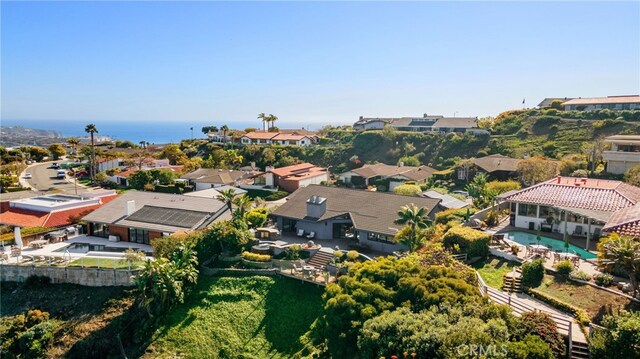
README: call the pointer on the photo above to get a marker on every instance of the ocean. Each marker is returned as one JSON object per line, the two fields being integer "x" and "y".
{"x": 136, "y": 131}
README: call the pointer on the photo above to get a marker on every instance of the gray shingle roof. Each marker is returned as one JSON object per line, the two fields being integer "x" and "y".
{"x": 497, "y": 162}
{"x": 369, "y": 211}
{"x": 214, "y": 175}
{"x": 114, "y": 212}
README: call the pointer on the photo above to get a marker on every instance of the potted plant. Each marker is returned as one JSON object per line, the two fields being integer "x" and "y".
{"x": 515, "y": 249}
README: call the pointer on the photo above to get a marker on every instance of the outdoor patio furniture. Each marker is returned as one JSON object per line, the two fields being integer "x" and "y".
{"x": 556, "y": 257}
{"x": 300, "y": 232}
{"x": 296, "y": 268}
{"x": 26, "y": 258}
{"x": 15, "y": 251}
{"x": 4, "y": 257}
{"x": 311, "y": 235}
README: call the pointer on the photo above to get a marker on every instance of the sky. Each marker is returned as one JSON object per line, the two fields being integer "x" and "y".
{"x": 308, "y": 62}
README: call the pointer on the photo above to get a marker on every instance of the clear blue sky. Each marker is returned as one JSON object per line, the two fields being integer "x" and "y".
{"x": 309, "y": 62}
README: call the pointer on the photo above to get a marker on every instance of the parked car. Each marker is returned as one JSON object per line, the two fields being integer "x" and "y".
{"x": 27, "y": 175}
{"x": 61, "y": 174}
{"x": 55, "y": 165}
{"x": 82, "y": 174}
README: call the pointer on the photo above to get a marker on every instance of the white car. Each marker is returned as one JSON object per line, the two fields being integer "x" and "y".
{"x": 27, "y": 175}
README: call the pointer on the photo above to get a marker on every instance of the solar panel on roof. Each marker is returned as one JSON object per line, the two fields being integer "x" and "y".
{"x": 168, "y": 216}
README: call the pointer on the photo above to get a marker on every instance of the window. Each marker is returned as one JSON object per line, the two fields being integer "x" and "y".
{"x": 99, "y": 230}
{"x": 138, "y": 235}
{"x": 529, "y": 210}
{"x": 379, "y": 238}
{"x": 462, "y": 173}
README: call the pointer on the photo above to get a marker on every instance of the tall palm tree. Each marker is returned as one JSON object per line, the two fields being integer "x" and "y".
{"x": 264, "y": 118}
{"x": 272, "y": 119}
{"x": 224, "y": 129}
{"x": 73, "y": 143}
{"x": 623, "y": 251}
{"x": 226, "y": 196}
{"x": 91, "y": 129}
{"x": 415, "y": 219}
{"x": 243, "y": 204}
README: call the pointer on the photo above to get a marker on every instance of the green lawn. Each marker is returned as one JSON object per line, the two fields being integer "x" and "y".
{"x": 109, "y": 263}
{"x": 239, "y": 317}
{"x": 594, "y": 301}
{"x": 493, "y": 269}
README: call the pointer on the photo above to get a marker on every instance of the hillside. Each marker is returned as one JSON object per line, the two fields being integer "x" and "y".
{"x": 547, "y": 132}
{"x": 12, "y": 136}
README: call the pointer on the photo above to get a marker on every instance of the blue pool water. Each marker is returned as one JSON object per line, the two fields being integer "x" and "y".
{"x": 555, "y": 244}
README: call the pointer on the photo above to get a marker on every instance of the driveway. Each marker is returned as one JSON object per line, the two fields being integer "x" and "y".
{"x": 44, "y": 179}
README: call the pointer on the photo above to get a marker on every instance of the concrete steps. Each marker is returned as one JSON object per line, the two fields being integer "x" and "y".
{"x": 579, "y": 350}
{"x": 320, "y": 259}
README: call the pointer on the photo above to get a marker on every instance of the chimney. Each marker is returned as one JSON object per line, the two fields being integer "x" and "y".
{"x": 269, "y": 168}
{"x": 559, "y": 178}
{"x": 130, "y": 208}
{"x": 316, "y": 206}
{"x": 400, "y": 164}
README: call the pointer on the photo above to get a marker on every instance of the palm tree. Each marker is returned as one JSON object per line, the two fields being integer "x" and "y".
{"x": 91, "y": 129}
{"x": 224, "y": 129}
{"x": 264, "y": 118}
{"x": 272, "y": 119}
{"x": 141, "y": 144}
{"x": 623, "y": 251}
{"x": 73, "y": 143}
{"x": 243, "y": 204}
{"x": 226, "y": 196}
{"x": 414, "y": 219}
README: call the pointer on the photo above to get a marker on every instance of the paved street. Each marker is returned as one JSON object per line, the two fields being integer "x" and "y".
{"x": 44, "y": 180}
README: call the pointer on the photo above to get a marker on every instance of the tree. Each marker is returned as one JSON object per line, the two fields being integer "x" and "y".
{"x": 622, "y": 251}
{"x": 226, "y": 196}
{"x": 416, "y": 221}
{"x": 207, "y": 129}
{"x": 224, "y": 129}
{"x": 164, "y": 282}
{"x": 73, "y": 143}
{"x": 35, "y": 153}
{"x": 557, "y": 104}
{"x": 537, "y": 169}
{"x": 139, "y": 179}
{"x": 619, "y": 339}
{"x": 233, "y": 236}
{"x": 256, "y": 217}
{"x": 92, "y": 130}
{"x": 264, "y": 118}
{"x": 243, "y": 204}
{"x": 173, "y": 153}
{"x": 57, "y": 151}
{"x": 479, "y": 191}
{"x": 593, "y": 152}
{"x": 632, "y": 176}
{"x": 409, "y": 161}
{"x": 272, "y": 119}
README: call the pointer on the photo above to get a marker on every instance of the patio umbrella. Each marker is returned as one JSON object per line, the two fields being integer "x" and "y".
{"x": 18, "y": 236}
{"x": 538, "y": 237}
{"x": 566, "y": 242}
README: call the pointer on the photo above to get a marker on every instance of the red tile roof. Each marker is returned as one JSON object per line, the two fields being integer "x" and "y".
{"x": 589, "y": 194}
{"x": 625, "y": 222}
{"x": 27, "y": 218}
{"x": 297, "y": 169}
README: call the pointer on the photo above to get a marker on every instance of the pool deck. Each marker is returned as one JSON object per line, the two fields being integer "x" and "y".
{"x": 52, "y": 249}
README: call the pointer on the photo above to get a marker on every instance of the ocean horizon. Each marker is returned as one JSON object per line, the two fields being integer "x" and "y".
{"x": 135, "y": 131}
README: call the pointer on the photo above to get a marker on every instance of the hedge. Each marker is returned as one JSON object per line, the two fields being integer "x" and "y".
{"x": 448, "y": 215}
{"x": 578, "y": 313}
{"x": 473, "y": 242}
{"x": 256, "y": 257}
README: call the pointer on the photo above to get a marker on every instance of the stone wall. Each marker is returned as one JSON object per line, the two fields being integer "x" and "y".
{"x": 92, "y": 277}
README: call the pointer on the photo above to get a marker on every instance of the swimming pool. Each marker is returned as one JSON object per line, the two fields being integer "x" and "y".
{"x": 87, "y": 247}
{"x": 525, "y": 238}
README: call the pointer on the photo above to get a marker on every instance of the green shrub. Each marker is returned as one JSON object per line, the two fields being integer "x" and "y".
{"x": 603, "y": 279}
{"x": 619, "y": 339}
{"x": 580, "y": 275}
{"x": 256, "y": 257}
{"x": 531, "y": 347}
{"x": 500, "y": 187}
{"x": 274, "y": 196}
{"x": 293, "y": 252}
{"x": 407, "y": 190}
{"x": 473, "y": 242}
{"x": 492, "y": 218}
{"x": 34, "y": 342}
{"x": 532, "y": 273}
{"x": 449, "y": 215}
{"x": 352, "y": 255}
{"x": 542, "y": 325}
{"x": 578, "y": 313}
{"x": 564, "y": 268}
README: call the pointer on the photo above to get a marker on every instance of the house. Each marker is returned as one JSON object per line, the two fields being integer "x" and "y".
{"x": 625, "y": 222}
{"x": 424, "y": 124}
{"x": 369, "y": 174}
{"x": 446, "y": 201}
{"x": 105, "y": 164}
{"x": 289, "y": 138}
{"x": 220, "y": 136}
{"x": 348, "y": 217}
{"x": 122, "y": 178}
{"x": 549, "y": 100}
{"x": 53, "y": 210}
{"x": 204, "y": 178}
{"x": 291, "y": 178}
{"x": 581, "y": 207}
{"x": 496, "y": 166}
{"x": 599, "y": 103}
{"x": 624, "y": 153}
{"x": 142, "y": 216}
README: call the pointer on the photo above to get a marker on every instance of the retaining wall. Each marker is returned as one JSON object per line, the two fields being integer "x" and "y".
{"x": 92, "y": 277}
